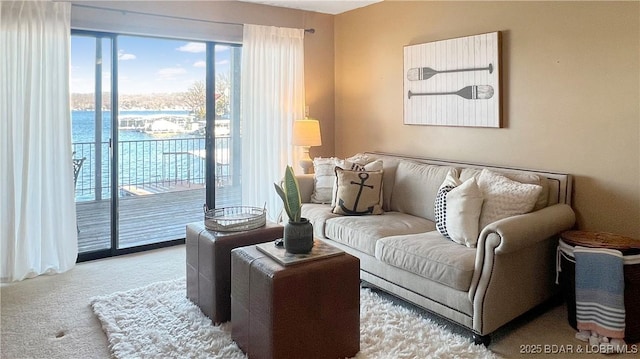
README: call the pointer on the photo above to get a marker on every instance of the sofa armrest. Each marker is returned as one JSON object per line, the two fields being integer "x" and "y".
{"x": 521, "y": 231}
{"x": 306, "y": 183}
{"x": 515, "y": 255}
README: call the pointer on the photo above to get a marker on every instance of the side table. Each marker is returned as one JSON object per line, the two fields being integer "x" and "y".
{"x": 304, "y": 310}
{"x": 630, "y": 249}
{"x": 209, "y": 265}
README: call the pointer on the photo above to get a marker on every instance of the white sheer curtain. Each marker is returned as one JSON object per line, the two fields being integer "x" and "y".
{"x": 37, "y": 212}
{"x": 272, "y": 98}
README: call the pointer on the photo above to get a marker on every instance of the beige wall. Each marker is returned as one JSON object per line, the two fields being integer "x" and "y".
{"x": 570, "y": 93}
{"x": 319, "y": 79}
{"x": 319, "y": 55}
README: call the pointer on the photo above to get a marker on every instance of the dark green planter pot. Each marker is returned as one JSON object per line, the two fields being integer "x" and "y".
{"x": 298, "y": 236}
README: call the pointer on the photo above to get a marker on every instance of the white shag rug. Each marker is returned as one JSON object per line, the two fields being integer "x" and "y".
{"x": 158, "y": 321}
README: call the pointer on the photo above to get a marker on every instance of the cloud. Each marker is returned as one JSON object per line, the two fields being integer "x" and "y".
{"x": 170, "y": 73}
{"x": 195, "y": 47}
{"x": 122, "y": 56}
{"x": 200, "y": 63}
{"x": 221, "y": 48}
{"x": 222, "y": 62}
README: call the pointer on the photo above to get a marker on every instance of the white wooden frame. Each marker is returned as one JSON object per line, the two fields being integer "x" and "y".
{"x": 453, "y": 82}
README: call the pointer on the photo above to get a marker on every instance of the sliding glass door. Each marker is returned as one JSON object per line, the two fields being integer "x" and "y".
{"x": 168, "y": 135}
{"x": 91, "y": 98}
{"x": 161, "y": 142}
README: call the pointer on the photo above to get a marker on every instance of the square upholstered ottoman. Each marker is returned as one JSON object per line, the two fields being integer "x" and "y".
{"x": 304, "y": 310}
{"x": 209, "y": 265}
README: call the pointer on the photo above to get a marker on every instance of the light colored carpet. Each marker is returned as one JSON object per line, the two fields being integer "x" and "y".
{"x": 50, "y": 316}
{"x": 158, "y": 321}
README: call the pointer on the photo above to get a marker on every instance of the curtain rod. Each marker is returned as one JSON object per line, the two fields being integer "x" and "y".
{"x": 124, "y": 12}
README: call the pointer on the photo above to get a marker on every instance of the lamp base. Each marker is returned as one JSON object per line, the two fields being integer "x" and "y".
{"x": 306, "y": 164}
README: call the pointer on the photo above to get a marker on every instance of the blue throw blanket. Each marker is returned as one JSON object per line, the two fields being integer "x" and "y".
{"x": 600, "y": 291}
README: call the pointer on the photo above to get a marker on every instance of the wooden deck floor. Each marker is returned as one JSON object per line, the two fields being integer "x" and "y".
{"x": 145, "y": 219}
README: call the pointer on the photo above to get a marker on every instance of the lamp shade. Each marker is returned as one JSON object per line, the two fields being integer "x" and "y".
{"x": 306, "y": 133}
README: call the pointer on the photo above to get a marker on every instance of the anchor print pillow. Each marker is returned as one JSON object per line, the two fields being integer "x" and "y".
{"x": 325, "y": 177}
{"x": 358, "y": 192}
{"x": 349, "y": 165}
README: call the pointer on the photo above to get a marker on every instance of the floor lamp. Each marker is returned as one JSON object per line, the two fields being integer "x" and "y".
{"x": 306, "y": 133}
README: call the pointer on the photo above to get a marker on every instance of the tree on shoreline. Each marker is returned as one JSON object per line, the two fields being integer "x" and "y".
{"x": 195, "y": 99}
{"x": 223, "y": 100}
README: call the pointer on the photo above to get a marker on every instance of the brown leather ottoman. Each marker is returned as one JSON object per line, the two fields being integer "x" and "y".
{"x": 209, "y": 265}
{"x": 305, "y": 310}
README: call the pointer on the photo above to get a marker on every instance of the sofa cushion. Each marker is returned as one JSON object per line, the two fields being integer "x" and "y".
{"x": 358, "y": 192}
{"x": 429, "y": 255}
{"x": 415, "y": 188}
{"x": 318, "y": 214}
{"x": 362, "y": 232}
{"x": 504, "y": 197}
{"x": 388, "y": 181}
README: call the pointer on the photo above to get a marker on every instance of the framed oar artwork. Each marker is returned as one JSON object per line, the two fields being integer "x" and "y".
{"x": 454, "y": 82}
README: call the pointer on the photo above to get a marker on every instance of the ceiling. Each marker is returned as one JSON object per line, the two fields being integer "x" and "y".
{"x": 324, "y": 6}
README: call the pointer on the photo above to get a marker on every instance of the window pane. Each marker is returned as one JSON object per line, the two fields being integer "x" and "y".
{"x": 91, "y": 125}
{"x": 161, "y": 114}
{"x": 227, "y": 124}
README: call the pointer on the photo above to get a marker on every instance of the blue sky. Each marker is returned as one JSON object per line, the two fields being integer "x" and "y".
{"x": 145, "y": 65}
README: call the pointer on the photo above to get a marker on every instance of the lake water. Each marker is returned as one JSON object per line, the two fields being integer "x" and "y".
{"x": 83, "y": 126}
{"x": 144, "y": 159}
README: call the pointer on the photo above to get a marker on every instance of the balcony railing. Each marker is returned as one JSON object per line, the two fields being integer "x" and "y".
{"x": 150, "y": 166}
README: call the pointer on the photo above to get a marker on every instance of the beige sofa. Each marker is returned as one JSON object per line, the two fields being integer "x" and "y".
{"x": 510, "y": 271}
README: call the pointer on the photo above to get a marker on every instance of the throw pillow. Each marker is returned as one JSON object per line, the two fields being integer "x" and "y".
{"x": 504, "y": 197}
{"x": 543, "y": 198}
{"x": 358, "y": 193}
{"x": 361, "y": 158}
{"x": 324, "y": 175}
{"x": 528, "y": 178}
{"x": 463, "y": 208}
{"x": 440, "y": 205}
{"x": 353, "y": 166}
{"x": 324, "y": 178}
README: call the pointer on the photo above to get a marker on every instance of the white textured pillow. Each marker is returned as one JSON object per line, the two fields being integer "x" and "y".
{"x": 529, "y": 178}
{"x": 360, "y": 158}
{"x": 324, "y": 177}
{"x": 504, "y": 197}
{"x": 464, "y": 205}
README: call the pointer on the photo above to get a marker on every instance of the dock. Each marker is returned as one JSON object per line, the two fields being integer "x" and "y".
{"x": 145, "y": 219}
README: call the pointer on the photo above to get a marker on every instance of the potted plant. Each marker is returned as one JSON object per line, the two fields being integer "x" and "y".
{"x": 298, "y": 231}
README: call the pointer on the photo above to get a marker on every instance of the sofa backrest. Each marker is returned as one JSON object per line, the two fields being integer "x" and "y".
{"x": 415, "y": 187}
{"x": 415, "y": 196}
